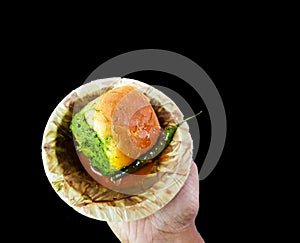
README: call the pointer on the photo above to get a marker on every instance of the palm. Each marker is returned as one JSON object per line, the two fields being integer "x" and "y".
{"x": 177, "y": 215}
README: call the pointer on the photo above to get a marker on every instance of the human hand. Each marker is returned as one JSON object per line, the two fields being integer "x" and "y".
{"x": 175, "y": 222}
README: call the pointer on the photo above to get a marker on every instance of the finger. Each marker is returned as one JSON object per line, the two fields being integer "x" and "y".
{"x": 192, "y": 182}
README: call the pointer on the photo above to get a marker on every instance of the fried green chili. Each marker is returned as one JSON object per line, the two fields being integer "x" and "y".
{"x": 163, "y": 141}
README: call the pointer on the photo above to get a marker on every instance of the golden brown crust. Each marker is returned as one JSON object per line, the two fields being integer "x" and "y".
{"x": 116, "y": 115}
{"x": 76, "y": 187}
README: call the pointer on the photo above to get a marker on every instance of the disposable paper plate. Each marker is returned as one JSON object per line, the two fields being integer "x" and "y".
{"x": 79, "y": 190}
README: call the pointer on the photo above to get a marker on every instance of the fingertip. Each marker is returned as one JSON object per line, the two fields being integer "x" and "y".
{"x": 193, "y": 174}
{"x": 194, "y": 167}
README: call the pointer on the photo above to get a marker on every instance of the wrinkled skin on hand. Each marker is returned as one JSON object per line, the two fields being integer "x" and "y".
{"x": 173, "y": 223}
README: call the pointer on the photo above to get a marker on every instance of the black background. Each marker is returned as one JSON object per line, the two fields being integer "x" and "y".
{"x": 221, "y": 196}
{"x": 56, "y": 62}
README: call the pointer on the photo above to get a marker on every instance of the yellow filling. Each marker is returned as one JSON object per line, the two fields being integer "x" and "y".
{"x": 103, "y": 128}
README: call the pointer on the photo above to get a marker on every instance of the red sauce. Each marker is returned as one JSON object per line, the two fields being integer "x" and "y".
{"x": 134, "y": 180}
